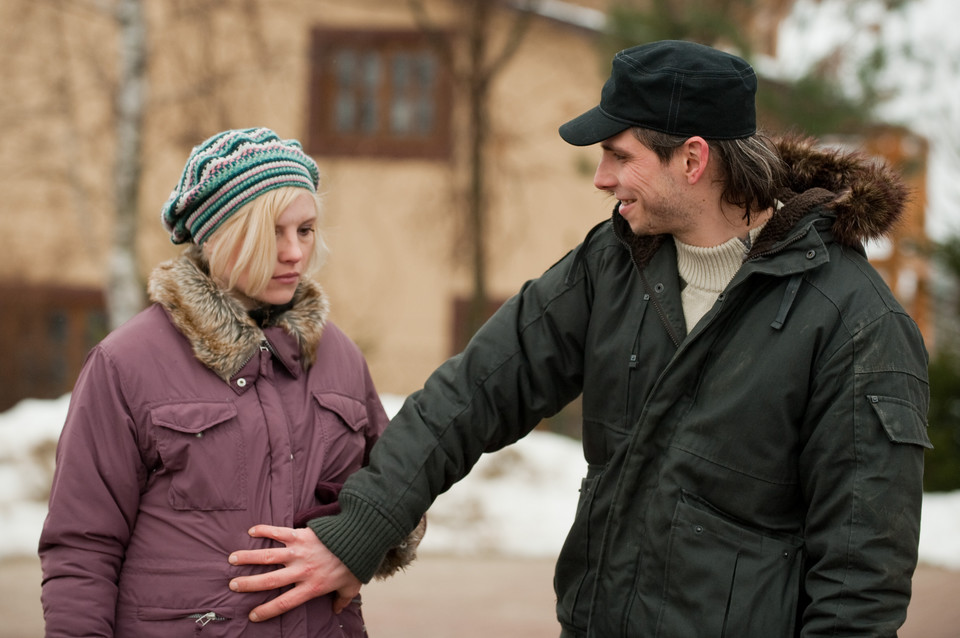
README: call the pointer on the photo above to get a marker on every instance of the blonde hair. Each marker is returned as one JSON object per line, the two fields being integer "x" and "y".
{"x": 248, "y": 241}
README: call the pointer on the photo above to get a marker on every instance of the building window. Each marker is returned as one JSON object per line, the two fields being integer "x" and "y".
{"x": 45, "y": 337}
{"x": 378, "y": 93}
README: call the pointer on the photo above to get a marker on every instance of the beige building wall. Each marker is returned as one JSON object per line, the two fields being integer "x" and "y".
{"x": 395, "y": 227}
{"x": 392, "y": 225}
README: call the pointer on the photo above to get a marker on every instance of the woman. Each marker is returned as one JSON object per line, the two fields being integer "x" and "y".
{"x": 230, "y": 401}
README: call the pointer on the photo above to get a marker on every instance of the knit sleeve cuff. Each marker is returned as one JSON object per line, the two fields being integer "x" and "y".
{"x": 359, "y": 536}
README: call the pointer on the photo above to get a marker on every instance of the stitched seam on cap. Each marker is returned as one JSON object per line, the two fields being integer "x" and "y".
{"x": 676, "y": 97}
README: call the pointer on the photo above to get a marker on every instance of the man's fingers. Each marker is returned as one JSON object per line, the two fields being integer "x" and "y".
{"x": 341, "y": 603}
{"x": 263, "y": 582}
{"x": 275, "y": 556}
{"x": 282, "y": 534}
{"x": 345, "y": 596}
{"x": 308, "y": 566}
{"x": 278, "y": 605}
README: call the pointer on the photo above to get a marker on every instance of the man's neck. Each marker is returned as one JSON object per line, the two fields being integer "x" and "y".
{"x": 723, "y": 226}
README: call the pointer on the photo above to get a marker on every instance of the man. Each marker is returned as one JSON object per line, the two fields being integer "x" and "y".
{"x": 754, "y": 398}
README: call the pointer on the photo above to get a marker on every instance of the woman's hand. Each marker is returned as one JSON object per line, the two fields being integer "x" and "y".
{"x": 307, "y": 565}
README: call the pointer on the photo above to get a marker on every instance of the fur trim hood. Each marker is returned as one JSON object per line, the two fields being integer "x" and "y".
{"x": 864, "y": 196}
{"x": 220, "y": 330}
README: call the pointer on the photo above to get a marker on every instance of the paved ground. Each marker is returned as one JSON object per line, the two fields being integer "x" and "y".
{"x": 442, "y": 597}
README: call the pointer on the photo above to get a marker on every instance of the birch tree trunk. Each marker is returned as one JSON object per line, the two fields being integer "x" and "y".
{"x": 125, "y": 295}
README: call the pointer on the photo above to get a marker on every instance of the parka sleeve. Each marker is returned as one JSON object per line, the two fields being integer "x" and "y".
{"x": 861, "y": 469}
{"x": 94, "y": 502}
{"x": 524, "y": 364}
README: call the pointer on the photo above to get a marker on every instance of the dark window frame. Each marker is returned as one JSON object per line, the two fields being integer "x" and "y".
{"x": 323, "y": 138}
{"x": 45, "y": 335}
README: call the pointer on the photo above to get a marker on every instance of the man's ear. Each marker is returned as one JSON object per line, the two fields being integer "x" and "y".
{"x": 695, "y": 153}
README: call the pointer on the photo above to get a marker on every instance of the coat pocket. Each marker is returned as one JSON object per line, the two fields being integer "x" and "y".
{"x": 173, "y": 623}
{"x": 901, "y": 420}
{"x": 574, "y": 576}
{"x": 202, "y": 450}
{"x": 724, "y": 579}
{"x": 343, "y": 427}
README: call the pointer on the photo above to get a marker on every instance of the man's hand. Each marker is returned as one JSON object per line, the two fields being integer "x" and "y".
{"x": 308, "y": 565}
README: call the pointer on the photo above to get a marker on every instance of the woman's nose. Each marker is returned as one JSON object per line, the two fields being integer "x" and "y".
{"x": 288, "y": 249}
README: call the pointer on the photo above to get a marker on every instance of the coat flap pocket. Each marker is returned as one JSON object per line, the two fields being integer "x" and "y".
{"x": 902, "y": 421}
{"x": 352, "y": 411}
{"x": 192, "y": 417}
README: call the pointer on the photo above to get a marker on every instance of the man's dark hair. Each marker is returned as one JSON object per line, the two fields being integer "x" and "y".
{"x": 751, "y": 169}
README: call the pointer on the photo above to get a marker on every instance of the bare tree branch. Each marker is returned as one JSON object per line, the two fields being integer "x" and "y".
{"x": 438, "y": 40}
{"x": 517, "y": 32}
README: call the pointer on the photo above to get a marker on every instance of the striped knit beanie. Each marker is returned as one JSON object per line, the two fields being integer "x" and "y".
{"x": 227, "y": 171}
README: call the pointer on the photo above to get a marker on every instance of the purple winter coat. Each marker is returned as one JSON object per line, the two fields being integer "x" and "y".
{"x": 188, "y": 425}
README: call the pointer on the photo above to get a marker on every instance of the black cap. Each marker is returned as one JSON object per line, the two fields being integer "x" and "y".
{"x": 675, "y": 87}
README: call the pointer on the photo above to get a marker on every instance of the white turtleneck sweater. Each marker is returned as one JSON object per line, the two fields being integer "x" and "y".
{"x": 707, "y": 271}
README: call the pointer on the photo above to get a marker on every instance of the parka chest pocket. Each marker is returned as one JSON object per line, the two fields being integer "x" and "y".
{"x": 202, "y": 450}
{"x": 343, "y": 424}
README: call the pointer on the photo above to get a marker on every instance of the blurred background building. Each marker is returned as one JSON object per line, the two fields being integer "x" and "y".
{"x": 434, "y": 123}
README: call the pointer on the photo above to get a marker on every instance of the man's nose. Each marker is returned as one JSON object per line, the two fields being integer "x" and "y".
{"x": 604, "y": 178}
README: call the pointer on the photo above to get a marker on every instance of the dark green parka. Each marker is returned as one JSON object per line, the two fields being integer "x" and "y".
{"x": 758, "y": 477}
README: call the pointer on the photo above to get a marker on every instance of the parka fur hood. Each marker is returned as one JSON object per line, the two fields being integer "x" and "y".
{"x": 219, "y": 328}
{"x": 865, "y": 197}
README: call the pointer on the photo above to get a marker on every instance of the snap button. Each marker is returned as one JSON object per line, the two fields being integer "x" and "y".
{"x": 199, "y": 435}
{"x": 811, "y": 254}
{"x": 786, "y": 554}
{"x": 242, "y": 382}
{"x": 698, "y": 529}
{"x": 658, "y": 288}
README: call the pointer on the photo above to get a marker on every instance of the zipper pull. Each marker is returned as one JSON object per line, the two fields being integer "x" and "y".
{"x": 206, "y": 618}
{"x": 264, "y": 346}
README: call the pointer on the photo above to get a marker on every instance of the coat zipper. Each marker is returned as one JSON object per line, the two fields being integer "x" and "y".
{"x": 646, "y": 285}
{"x": 264, "y": 347}
{"x": 779, "y": 249}
{"x": 660, "y": 312}
{"x": 204, "y": 619}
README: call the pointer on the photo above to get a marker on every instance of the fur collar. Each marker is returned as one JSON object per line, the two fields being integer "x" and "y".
{"x": 220, "y": 330}
{"x": 864, "y": 197}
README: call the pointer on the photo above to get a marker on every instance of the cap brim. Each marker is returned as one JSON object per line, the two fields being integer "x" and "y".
{"x": 590, "y": 128}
